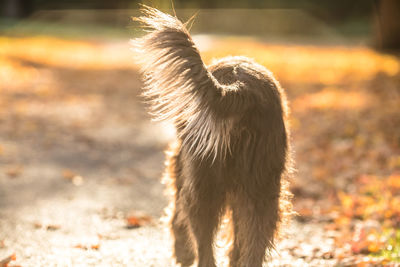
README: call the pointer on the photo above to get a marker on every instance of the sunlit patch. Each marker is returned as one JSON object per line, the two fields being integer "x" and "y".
{"x": 65, "y": 53}
{"x": 14, "y": 75}
{"x": 331, "y": 98}
{"x": 328, "y": 65}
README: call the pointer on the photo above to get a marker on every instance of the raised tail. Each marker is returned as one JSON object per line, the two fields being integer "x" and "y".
{"x": 178, "y": 85}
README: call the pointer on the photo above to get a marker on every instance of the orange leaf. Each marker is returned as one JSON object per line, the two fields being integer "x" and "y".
{"x": 394, "y": 181}
{"x": 14, "y": 171}
{"x": 133, "y": 222}
{"x": 80, "y": 246}
{"x": 95, "y": 246}
{"x": 374, "y": 247}
{"x": 137, "y": 221}
{"x": 4, "y": 262}
{"x": 68, "y": 174}
{"x": 342, "y": 221}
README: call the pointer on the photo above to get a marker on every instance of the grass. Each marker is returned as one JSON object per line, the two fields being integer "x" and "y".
{"x": 391, "y": 250}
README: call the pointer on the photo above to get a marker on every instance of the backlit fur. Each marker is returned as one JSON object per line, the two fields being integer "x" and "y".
{"x": 232, "y": 147}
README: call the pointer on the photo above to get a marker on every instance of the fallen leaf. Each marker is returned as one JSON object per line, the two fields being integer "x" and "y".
{"x": 80, "y": 246}
{"x": 49, "y": 227}
{"x": 305, "y": 211}
{"x": 374, "y": 247}
{"x": 4, "y": 262}
{"x": 88, "y": 246}
{"x": 14, "y": 171}
{"x": 95, "y": 246}
{"x": 37, "y": 225}
{"x": 394, "y": 181}
{"x": 73, "y": 177}
{"x": 68, "y": 174}
{"x": 328, "y": 255}
{"x": 133, "y": 222}
{"x": 137, "y": 221}
{"x": 52, "y": 227}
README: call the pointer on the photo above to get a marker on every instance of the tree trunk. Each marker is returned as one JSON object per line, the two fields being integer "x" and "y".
{"x": 17, "y": 8}
{"x": 387, "y": 34}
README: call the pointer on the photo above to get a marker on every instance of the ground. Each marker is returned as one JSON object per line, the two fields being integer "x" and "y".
{"x": 81, "y": 161}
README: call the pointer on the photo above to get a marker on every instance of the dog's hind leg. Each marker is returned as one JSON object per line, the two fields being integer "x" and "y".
{"x": 254, "y": 222}
{"x": 204, "y": 203}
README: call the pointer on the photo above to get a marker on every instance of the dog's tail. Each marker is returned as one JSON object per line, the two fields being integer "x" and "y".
{"x": 178, "y": 85}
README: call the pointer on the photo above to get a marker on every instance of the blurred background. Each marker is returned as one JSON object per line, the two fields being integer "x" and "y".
{"x": 373, "y": 20}
{"x": 81, "y": 161}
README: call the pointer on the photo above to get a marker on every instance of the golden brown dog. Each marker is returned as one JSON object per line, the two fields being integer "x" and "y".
{"x": 232, "y": 148}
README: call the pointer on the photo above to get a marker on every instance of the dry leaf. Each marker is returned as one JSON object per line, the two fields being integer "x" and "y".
{"x": 4, "y": 262}
{"x": 73, "y": 177}
{"x": 68, "y": 174}
{"x": 52, "y": 227}
{"x": 37, "y": 225}
{"x": 80, "y": 246}
{"x": 137, "y": 221}
{"x": 95, "y": 246}
{"x": 14, "y": 171}
{"x": 88, "y": 246}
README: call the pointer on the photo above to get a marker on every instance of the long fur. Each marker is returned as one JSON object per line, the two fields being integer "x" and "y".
{"x": 232, "y": 147}
{"x": 178, "y": 84}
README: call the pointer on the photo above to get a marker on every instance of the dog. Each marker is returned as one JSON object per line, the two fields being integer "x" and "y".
{"x": 232, "y": 148}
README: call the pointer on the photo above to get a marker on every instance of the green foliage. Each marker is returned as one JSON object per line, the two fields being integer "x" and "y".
{"x": 391, "y": 250}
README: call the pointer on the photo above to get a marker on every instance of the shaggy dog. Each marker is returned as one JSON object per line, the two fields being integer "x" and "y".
{"x": 232, "y": 149}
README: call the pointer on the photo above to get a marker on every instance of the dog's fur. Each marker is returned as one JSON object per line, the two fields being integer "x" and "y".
{"x": 232, "y": 149}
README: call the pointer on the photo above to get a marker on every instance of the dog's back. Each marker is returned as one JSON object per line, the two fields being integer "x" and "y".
{"x": 232, "y": 142}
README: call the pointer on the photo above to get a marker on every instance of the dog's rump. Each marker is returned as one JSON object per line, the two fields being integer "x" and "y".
{"x": 179, "y": 87}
